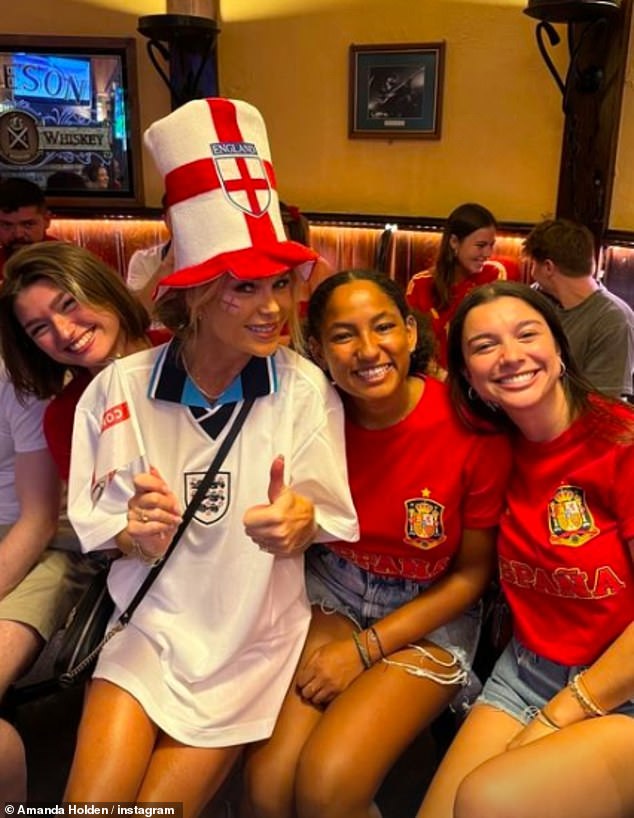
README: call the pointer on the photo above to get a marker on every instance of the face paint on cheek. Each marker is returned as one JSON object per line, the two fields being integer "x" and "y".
{"x": 229, "y": 303}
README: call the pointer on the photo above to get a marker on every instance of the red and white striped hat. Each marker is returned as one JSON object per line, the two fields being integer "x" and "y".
{"x": 221, "y": 193}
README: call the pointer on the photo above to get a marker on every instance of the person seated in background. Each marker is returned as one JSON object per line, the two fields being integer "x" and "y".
{"x": 24, "y": 217}
{"x": 64, "y": 316}
{"x": 64, "y": 180}
{"x": 598, "y": 324}
{"x": 149, "y": 265}
{"x": 553, "y": 729}
{"x": 40, "y": 576}
{"x": 12, "y": 765}
{"x": 97, "y": 176}
{"x": 463, "y": 262}
{"x": 396, "y": 616}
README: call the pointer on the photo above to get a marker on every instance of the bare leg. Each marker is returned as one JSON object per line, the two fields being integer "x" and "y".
{"x": 122, "y": 756}
{"x": 114, "y": 746}
{"x": 12, "y": 765}
{"x": 271, "y": 765}
{"x": 584, "y": 771}
{"x": 485, "y": 733}
{"x": 19, "y": 648}
{"x": 361, "y": 735}
{"x": 191, "y": 775}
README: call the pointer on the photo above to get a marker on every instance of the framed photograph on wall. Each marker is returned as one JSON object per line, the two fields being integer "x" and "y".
{"x": 396, "y": 91}
{"x": 69, "y": 118}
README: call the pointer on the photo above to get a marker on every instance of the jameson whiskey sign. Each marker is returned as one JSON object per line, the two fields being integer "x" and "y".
{"x": 68, "y": 118}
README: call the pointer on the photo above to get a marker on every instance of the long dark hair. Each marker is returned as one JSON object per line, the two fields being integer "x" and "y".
{"x": 74, "y": 270}
{"x": 464, "y": 220}
{"x": 581, "y": 395}
{"x": 425, "y": 345}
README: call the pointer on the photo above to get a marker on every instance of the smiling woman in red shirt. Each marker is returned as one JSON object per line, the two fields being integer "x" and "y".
{"x": 463, "y": 262}
{"x": 552, "y": 731}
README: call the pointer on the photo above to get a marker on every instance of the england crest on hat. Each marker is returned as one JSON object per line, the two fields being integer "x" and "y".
{"x": 220, "y": 189}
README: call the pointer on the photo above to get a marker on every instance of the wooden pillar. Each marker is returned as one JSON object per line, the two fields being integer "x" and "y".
{"x": 592, "y": 109}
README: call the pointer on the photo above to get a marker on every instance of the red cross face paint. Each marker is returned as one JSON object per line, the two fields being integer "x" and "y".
{"x": 245, "y": 318}
{"x": 230, "y": 303}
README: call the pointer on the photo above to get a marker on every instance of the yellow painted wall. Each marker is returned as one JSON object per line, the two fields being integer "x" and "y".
{"x": 502, "y": 120}
{"x": 622, "y": 211}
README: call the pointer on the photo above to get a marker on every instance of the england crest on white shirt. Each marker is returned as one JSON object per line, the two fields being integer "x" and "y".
{"x": 215, "y": 503}
{"x": 243, "y": 176}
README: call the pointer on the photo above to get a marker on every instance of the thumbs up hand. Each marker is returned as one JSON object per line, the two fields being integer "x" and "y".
{"x": 276, "y": 479}
{"x": 286, "y": 524}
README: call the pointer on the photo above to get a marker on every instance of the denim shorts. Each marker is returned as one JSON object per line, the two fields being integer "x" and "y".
{"x": 522, "y": 682}
{"x": 337, "y": 585}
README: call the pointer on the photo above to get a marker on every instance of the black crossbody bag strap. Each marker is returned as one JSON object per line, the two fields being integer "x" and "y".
{"x": 191, "y": 509}
{"x": 69, "y": 676}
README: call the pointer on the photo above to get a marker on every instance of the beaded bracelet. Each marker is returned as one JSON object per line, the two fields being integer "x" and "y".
{"x": 140, "y": 554}
{"x": 581, "y": 694}
{"x": 363, "y": 654}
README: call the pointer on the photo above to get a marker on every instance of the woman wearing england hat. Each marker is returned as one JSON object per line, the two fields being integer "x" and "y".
{"x": 203, "y": 666}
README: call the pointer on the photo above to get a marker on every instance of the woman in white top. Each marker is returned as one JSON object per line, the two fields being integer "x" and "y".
{"x": 203, "y": 666}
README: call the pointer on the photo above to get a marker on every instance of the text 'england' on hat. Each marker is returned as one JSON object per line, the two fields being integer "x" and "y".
{"x": 220, "y": 189}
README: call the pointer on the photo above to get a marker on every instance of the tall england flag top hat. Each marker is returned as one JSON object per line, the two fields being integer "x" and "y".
{"x": 221, "y": 193}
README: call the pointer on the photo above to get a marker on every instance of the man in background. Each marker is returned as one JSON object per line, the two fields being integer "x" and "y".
{"x": 599, "y": 325}
{"x": 24, "y": 217}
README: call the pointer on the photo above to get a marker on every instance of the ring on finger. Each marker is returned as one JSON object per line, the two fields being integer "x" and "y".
{"x": 143, "y": 517}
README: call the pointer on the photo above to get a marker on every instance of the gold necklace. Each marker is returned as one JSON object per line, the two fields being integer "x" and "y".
{"x": 210, "y": 398}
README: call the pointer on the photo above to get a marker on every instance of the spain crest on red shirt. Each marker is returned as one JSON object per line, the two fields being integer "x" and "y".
{"x": 424, "y": 525}
{"x": 569, "y": 518}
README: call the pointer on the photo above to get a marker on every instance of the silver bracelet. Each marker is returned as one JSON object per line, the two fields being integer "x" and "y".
{"x": 140, "y": 554}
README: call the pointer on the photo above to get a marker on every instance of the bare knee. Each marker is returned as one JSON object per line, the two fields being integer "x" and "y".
{"x": 325, "y": 786}
{"x": 20, "y": 646}
{"x": 12, "y": 765}
{"x": 267, "y": 786}
{"x": 481, "y": 795}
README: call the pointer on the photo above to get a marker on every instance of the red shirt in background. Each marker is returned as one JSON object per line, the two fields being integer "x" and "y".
{"x": 420, "y": 296}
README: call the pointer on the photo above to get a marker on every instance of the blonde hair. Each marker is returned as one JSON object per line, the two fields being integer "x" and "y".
{"x": 178, "y": 310}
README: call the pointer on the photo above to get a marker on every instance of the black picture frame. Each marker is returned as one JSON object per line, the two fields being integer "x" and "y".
{"x": 396, "y": 91}
{"x": 69, "y": 118}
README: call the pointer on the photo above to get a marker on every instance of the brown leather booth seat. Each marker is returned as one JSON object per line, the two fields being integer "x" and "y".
{"x": 114, "y": 240}
{"x": 618, "y": 266}
{"x": 400, "y": 253}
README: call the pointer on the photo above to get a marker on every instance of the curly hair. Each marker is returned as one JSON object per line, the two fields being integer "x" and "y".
{"x": 426, "y": 343}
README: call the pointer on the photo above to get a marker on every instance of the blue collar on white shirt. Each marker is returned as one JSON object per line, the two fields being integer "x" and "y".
{"x": 170, "y": 382}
